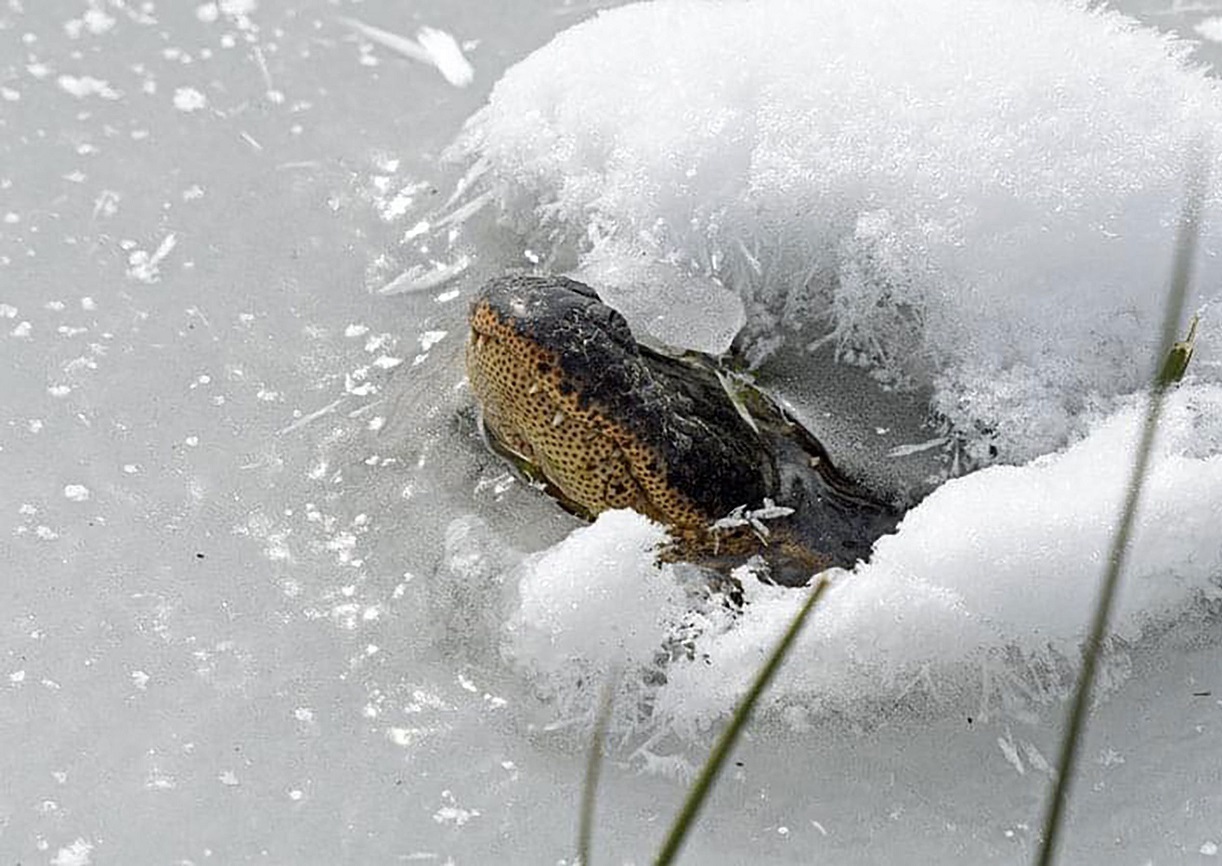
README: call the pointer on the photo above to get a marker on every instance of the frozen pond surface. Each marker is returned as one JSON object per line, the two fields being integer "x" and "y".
{"x": 266, "y": 595}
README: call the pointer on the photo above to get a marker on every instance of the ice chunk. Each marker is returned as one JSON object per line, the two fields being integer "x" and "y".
{"x": 432, "y": 46}
{"x": 662, "y": 302}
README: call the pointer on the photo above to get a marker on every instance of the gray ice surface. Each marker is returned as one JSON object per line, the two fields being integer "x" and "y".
{"x": 239, "y": 497}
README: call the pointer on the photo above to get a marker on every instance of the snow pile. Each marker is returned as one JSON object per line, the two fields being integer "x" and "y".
{"x": 978, "y": 197}
{"x": 975, "y": 198}
{"x": 567, "y": 591}
{"x": 984, "y": 593}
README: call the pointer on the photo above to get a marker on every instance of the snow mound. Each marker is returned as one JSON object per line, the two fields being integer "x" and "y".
{"x": 983, "y": 595}
{"x": 974, "y": 197}
{"x": 974, "y": 200}
{"x": 566, "y": 591}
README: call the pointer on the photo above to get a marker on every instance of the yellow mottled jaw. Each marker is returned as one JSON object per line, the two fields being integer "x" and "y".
{"x": 595, "y": 464}
{"x": 562, "y": 385}
{"x": 576, "y": 448}
{"x": 565, "y": 390}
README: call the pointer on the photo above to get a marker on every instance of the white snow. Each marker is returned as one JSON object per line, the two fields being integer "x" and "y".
{"x": 78, "y": 853}
{"x": 238, "y": 7}
{"x": 435, "y": 47}
{"x": 429, "y": 339}
{"x": 189, "y": 99}
{"x": 76, "y": 493}
{"x": 446, "y": 54}
{"x": 208, "y": 13}
{"x": 977, "y": 197}
{"x": 1003, "y": 563}
{"x": 596, "y": 596}
{"x": 94, "y": 21}
{"x": 145, "y": 267}
{"x": 337, "y": 629}
{"x": 1210, "y": 28}
{"x": 87, "y": 85}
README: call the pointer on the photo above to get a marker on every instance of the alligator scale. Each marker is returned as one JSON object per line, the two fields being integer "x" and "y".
{"x": 602, "y": 422}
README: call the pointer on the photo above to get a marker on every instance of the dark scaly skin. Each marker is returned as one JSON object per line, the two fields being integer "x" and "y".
{"x": 605, "y": 423}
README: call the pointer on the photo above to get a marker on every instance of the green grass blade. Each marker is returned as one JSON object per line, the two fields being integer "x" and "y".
{"x": 1175, "y": 365}
{"x": 699, "y": 790}
{"x": 594, "y": 761}
{"x": 1165, "y": 377}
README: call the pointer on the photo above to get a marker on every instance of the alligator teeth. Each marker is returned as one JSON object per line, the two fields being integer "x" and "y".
{"x": 557, "y": 419}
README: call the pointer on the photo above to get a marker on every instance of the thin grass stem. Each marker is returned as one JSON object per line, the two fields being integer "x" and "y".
{"x": 699, "y": 791}
{"x": 594, "y": 761}
{"x": 1173, "y": 311}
